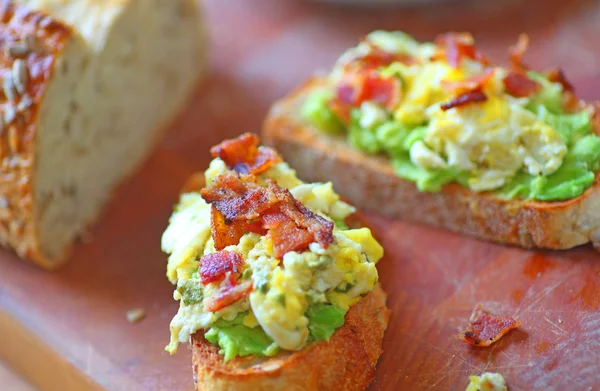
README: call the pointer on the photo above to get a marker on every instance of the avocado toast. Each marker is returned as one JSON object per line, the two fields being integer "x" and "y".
{"x": 434, "y": 133}
{"x": 275, "y": 291}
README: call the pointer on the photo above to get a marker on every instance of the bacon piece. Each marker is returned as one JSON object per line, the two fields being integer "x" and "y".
{"x": 225, "y": 229}
{"x": 473, "y": 83}
{"x": 321, "y": 228}
{"x": 341, "y": 110}
{"x": 238, "y": 201}
{"x": 229, "y": 293}
{"x": 224, "y": 232}
{"x": 593, "y": 109}
{"x": 243, "y": 154}
{"x": 458, "y": 46}
{"x": 357, "y": 88}
{"x": 485, "y": 329}
{"x": 465, "y": 99}
{"x": 285, "y": 234}
{"x": 256, "y": 227}
{"x": 517, "y": 52}
{"x": 383, "y": 90}
{"x": 237, "y": 197}
{"x": 519, "y": 85}
{"x": 377, "y": 58}
{"x": 556, "y": 75}
{"x": 214, "y": 267}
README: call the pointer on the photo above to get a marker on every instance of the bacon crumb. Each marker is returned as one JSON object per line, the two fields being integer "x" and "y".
{"x": 519, "y": 85}
{"x": 557, "y": 76}
{"x": 473, "y": 83}
{"x": 458, "y": 46}
{"x": 229, "y": 293}
{"x": 517, "y": 52}
{"x": 243, "y": 154}
{"x": 485, "y": 329}
{"x": 285, "y": 235}
{"x": 377, "y": 58}
{"x": 465, "y": 99}
{"x": 215, "y": 266}
{"x": 360, "y": 87}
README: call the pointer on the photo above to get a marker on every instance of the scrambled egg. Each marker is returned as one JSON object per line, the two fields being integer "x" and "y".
{"x": 283, "y": 288}
{"x": 487, "y": 382}
{"x": 493, "y": 141}
{"x": 490, "y": 141}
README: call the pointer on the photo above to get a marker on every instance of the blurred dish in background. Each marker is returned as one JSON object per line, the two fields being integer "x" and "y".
{"x": 365, "y": 3}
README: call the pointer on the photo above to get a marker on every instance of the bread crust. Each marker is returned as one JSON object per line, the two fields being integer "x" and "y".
{"x": 369, "y": 182}
{"x": 42, "y": 23}
{"x": 33, "y": 42}
{"x": 347, "y": 362}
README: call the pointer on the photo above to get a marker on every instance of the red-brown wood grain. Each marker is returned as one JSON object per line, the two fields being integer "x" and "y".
{"x": 260, "y": 50}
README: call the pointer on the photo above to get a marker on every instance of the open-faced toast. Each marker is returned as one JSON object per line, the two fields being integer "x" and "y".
{"x": 266, "y": 308}
{"x": 370, "y": 182}
{"x": 347, "y": 362}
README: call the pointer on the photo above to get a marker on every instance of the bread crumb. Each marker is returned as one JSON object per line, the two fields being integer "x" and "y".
{"x": 135, "y": 315}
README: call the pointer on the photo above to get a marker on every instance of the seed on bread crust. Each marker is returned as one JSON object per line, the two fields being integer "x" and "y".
{"x": 19, "y": 75}
{"x": 9, "y": 115}
{"x": 13, "y": 139}
{"x": 17, "y": 49}
{"x": 9, "y": 87}
{"x": 32, "y": 43}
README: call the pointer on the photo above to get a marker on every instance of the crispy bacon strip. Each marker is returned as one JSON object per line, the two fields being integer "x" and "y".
{"x": 224, "y": 232}
{"x": 517, "y": 52}
{"x": 458, "y": 46}
{"x": 285, "y": 234}
{"x": 465, "y": 99}
{"x": 473, "y": 83}
{"x": 485, "y": 329}
{"x": 243, "y": 154}
{"x": 238, "y": 201}
{"x": 215, "y": 266}
{"x": 556, "y": 75}
{"x": 229, "y": 293}
{"x": 519, "y": 85}
{"x": 320, "y": 228}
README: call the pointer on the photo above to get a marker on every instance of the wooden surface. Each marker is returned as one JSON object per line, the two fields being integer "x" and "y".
{"x": 68, "y": 330}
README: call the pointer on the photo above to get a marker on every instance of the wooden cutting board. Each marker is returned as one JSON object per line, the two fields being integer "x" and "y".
{"x": 68, "y": 331}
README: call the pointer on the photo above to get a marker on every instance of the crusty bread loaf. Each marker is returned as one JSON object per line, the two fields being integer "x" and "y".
{"x": 88, "y": 85}
{"x": 369, "y": 182}
{"x": 345, "y": 363}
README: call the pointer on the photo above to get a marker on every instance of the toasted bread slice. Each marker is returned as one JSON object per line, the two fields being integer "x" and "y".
{"x": 347, "y": 362}
{"x": 369, "y": 182}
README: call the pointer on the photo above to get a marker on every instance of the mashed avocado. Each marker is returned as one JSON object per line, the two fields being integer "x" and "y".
{"x": 295, "y": 300}
{"x": 237, "y": 339}
{"x": 323, "y": 320}
{"x": 523, "y": 147}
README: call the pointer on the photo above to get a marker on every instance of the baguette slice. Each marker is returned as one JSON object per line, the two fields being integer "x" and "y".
{"x": 88, "y": 86}
{"x": 345, "y": 363}
{"x": 369, "y": 182}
